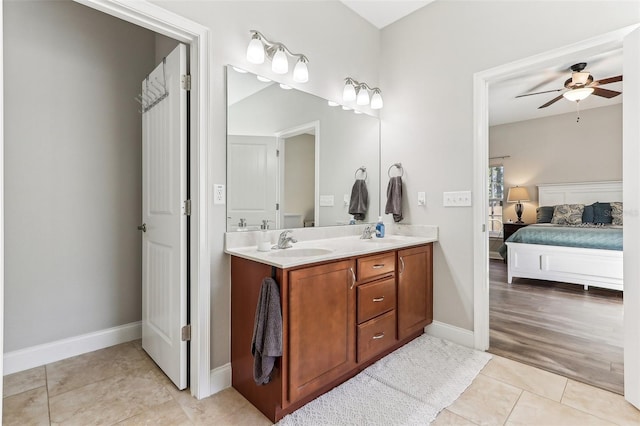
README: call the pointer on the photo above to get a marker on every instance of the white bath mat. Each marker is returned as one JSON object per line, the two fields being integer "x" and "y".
{"x": 407, "y": 387}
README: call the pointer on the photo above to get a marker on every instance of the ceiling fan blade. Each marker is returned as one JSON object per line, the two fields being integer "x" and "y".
{"x": 605, "y": 93}
{"x": 552, "y": 101}
{"x": 538, "y": 93}
{"x": 607, "y": 80}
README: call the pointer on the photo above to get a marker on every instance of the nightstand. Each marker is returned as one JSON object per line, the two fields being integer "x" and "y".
{"x": 509, "y": 228}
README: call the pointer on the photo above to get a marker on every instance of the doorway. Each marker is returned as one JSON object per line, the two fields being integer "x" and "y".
{"x": 159, "y": 20}
{"x": 629, "y": 39}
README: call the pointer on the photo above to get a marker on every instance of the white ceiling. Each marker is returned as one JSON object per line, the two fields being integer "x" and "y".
{"x": 382, "y": 13}
{"x": 504, "y": 107}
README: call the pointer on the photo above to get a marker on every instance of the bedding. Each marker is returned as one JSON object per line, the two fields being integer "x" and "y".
{"x": 605, "y": 237}
{"x": 567, "y": 214}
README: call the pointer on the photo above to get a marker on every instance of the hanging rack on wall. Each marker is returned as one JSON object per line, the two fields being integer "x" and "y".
{"x": 397, "y": 166}
{"x": 362, "y": 169}
{"x": 154, "y": 91}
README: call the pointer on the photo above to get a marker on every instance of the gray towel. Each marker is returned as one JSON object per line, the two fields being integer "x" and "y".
{"x": 359, "y": 202}
{"x": 394, "y": 198}
{"x": 266, "y": 344}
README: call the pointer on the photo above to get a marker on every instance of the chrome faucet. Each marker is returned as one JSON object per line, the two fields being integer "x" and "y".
{"x": 284, "y": 240}
{"x": 368, "y": 232}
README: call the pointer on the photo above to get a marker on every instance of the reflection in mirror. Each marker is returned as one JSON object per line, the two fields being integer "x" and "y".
{"x": 292, "y": 159}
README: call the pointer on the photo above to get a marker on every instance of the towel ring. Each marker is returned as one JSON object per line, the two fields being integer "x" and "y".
{"x": 363, "y": 169}
{"x": 398, "y": 166}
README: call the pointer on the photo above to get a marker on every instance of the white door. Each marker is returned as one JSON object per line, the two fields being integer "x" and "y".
{"x": 251, "y": 181}
{"x": 164, "y": 190}
{"x": 631, "y": 198}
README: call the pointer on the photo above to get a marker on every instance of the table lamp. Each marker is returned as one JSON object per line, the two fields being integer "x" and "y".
{"x": 517, "y": 194}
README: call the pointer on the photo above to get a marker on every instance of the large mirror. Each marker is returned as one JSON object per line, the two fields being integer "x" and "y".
{"x": 293, "y": 160}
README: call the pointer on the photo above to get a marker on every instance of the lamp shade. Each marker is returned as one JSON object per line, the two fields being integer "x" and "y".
{"x": 300, "y": 71}
{"x": 363, "y": 96}
{"x": 349, "y": 93}
{"x": 517, "y": 194}
{"x": 578, "y": 94}
{"x": 376, "y": 100}
{"x": 280, "y": 63}
{"x": 255, "y": 51}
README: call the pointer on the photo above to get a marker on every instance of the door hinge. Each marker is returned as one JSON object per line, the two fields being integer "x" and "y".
{"x": 277, "y": 206}
{"x": 186, "y": 81}
{"x": 277, "y": 153}
{"x": 186, "y": 333}
{"x": 187, "y": 207}
{"x": 484, "y": 228}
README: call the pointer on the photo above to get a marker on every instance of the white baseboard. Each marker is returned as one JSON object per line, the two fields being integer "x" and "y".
{"x": 35, "y": 356}
{"x": 452, "y": 333}
{"x": 220, "y": 378}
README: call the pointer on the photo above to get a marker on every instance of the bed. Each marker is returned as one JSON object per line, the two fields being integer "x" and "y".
{"x": 588, "y": 264}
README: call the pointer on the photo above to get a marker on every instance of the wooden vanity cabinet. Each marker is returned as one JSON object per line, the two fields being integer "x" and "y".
{"x": 321, "y": 326}
{"x": 338, "y": 318}
{"x": 415, "y": 289}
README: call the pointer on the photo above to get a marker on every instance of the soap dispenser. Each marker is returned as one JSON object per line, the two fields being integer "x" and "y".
{"x": 265, "y": 242}
{"x": 380, "y": 228}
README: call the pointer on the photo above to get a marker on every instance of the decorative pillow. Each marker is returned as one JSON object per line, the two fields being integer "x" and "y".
{"x": 602, "y": 213}
{"x": 567, "y": 214}
{"x": 616, "y": 213}
{"x": 544, "y": 214}
{"x": 588, "y": 214}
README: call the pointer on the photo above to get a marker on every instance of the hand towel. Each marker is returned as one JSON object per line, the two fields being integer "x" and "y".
{"x": 394, "y": 198}
{"x": 266, "y": 344}
{"x": 359, "y": 202}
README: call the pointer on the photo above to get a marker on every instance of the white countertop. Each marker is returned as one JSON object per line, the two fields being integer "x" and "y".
{"x": 337, "y": 248}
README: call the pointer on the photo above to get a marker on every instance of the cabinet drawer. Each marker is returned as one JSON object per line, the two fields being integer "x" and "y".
{"x": 373, "y": 266}
{"x": 376, "y": 298}
{"x": 376, "y": 335}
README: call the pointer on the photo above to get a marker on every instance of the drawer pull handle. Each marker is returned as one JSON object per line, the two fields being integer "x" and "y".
{"x": 378, "y": 299}
{"x": 378, "y": 336}
{"x": 378, "y": 266}
{"x": 401, "y": 265}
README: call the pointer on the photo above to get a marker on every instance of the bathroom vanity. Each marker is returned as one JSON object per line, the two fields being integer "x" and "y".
{"x": 344, "y": 306}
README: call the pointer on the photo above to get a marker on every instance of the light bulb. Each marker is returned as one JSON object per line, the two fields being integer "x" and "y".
{"x": 300, "y": 71}
{"x": 376, "y": 100}
{"x": 363, "y": 96}
{"x": 280, "y": 64}
{"x": 349, "y": 92}
{"x": 255, "y": 51}
{"x": 578, "y": 94}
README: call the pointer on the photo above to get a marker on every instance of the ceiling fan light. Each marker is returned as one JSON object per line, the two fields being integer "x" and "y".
{"x": 577, "y": 95}
{"x": 580, "y": 78}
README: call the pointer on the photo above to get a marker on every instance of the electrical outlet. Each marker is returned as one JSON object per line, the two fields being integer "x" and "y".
{"x": 218, "y": 193}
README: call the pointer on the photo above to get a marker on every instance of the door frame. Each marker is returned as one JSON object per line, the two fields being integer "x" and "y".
{"x": 289, "y": 133}
{"x": 481, "y": 82}
{"x": 197, "y": 36}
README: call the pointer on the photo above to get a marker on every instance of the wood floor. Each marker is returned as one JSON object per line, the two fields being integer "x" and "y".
{"x": 558, "y": 327}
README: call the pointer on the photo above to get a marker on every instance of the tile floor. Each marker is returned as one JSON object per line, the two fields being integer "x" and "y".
{"x": 121, "y": 385}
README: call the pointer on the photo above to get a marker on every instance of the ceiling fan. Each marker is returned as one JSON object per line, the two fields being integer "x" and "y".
{"x": 580, "y": 86}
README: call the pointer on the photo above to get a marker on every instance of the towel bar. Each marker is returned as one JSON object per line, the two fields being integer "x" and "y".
{"x": 398, "y": 166}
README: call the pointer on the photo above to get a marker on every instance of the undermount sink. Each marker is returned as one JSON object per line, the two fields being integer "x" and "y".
{"x": 300, "y": 252}
{"x": 375, "y": 240}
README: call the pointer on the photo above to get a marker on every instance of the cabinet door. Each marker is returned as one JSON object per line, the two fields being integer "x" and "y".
{"x": 415, "y": 289}
{"x": 321, "y": 326}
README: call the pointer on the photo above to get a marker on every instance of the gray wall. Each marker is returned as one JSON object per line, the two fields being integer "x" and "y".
{"x": 558, "y": 150}
{"x": 427, "y": 64}
{"x": 73, "y": 170}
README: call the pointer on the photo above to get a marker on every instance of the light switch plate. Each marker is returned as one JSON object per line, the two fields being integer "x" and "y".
{"x": 456, "y": 199}
{"x": 422, "y": 199}
{"x": 326, "y": 201}
{"x": 218, "y": 193}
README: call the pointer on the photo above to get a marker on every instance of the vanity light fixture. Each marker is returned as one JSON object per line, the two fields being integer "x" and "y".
{"x": 260, "y": 47}
{"x": 359, "y": 92}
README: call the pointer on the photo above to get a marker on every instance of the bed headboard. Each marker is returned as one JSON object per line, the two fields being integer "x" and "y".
{"x": 579, "y": 193}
